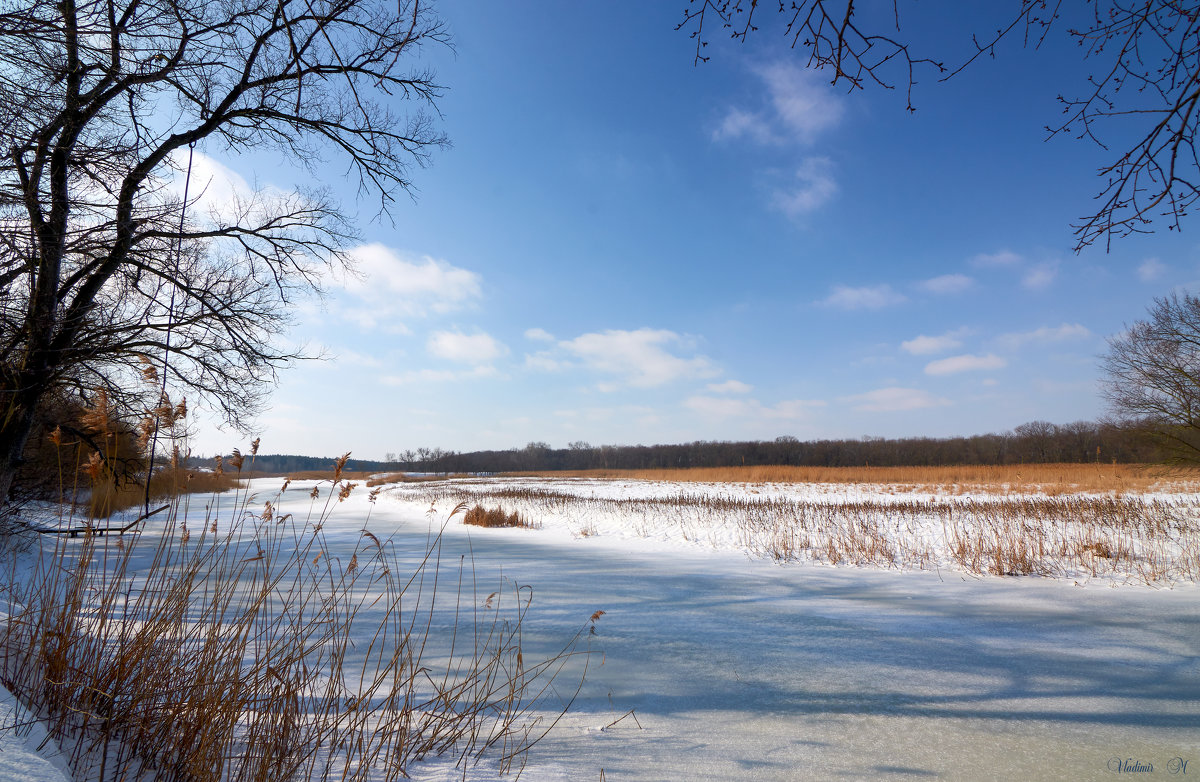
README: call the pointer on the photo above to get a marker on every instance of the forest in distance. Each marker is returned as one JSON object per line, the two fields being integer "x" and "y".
{"x": 1034, "y": 442}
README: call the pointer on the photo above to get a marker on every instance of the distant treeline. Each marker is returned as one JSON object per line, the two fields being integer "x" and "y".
{"x": 1035, "y": 442}
{"x": 283, "y": 464}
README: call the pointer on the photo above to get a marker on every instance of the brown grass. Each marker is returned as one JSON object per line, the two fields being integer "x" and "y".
{"x": 106, "y": 498}
{"x": 105, "y": 471}
{"x": 246, "y": 650}
{"x": 479, "y": 516}
{"x": 1127, "y": 536}
{"x": 1017, "y": 478}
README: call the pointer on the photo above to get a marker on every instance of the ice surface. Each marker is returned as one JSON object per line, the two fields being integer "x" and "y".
{"x": 716, "y": 665}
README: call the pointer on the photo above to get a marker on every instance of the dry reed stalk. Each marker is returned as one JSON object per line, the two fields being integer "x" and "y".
{"x": 254, "y": 653}
{"x": 1013, "y": 534}
{"x": 479, "y": 516}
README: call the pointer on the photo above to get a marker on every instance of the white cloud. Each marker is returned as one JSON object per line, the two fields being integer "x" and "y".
{"x": 947, "y": 284}
{"x": 719, "y": 407}
{"x": 1044, "y": 335}
{"x": 478, "y": 348}
{"x": 639, "y": 358}
{"x": 539, "y": 335}
{"x": 801, "y": 106}
{"x": 865, "y": 298}
{"x": 439, "y": 285}
{"x": 991, "y": 260}
{"x": 1040, "y": 277}
{"x": 542, "y": 362}
{"x": 924, "y": 346}
{"x": 964, "y": 363}
{"x": 214, "y": 189}
{"x": 894, "y": 399}
{"x": 724, "y": 407}
{"x": 1150, "y": 270}
{"x": 222, "y": 195}
{"x": 391, "y": 286}
{"x": 802, "y": 99}
{"x": 738, "y": 123}
{"x": 422, "y": 376}
{"x": 730, "y": 387}
{"x": 816, "y": 186}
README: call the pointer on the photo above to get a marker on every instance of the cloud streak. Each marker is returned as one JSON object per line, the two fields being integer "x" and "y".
{"x": 726, "y": 407}
{"x": 1040, "y": 277}
{"x": 947, "y": 284}
{"x": 894, "y": 399}
{"x": 924, "y": 345}
{"x": 391, "y": 286}
{"x": 814, "y": 186}
{"x": 730, "y": 387}
{"x": 642, "y": 358}
{"x": 965, "y": 363}
{"x": 1043, "y": 336}
{"x": 865, "y": 298}
{"x": 1150, "y": 270}
{"x": 429, "y": 376}
{"x": 478, "y": 348}
{"x": 800, "y": 107}
{"x": 1004, "y": 258}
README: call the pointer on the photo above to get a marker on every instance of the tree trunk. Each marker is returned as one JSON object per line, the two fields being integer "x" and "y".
{"x": 14, "y": 433}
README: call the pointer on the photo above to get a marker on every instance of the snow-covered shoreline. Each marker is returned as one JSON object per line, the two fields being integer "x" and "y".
{"x": 26, "y": 753}
{"x": 1139, "y": 538}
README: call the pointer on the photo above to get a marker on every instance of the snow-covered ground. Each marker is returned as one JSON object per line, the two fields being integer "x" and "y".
{"x": 716, "y": 661}
{"x": 26, "y": 753}
{"x": 1140, "y": 538}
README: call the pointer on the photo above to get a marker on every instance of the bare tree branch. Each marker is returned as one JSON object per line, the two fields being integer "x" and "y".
{"x": 1146, "y": 56}
{"x": 1153, "y": 374}
{"x": 102, "y": 267}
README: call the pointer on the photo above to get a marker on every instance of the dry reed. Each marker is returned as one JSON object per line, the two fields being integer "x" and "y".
{"x": 1130, "y": 537}
{"x": 245, "y": 649}
{"x": 106, "y": 498}
{"x": 479, "y": 516}
{"x": 997, "y": 479}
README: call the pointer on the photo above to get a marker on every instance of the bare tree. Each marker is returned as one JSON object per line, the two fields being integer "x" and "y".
{"x": 1153, "y": 374}
{"x": 104, "y": 267}
{"x": 1146, "y": 75}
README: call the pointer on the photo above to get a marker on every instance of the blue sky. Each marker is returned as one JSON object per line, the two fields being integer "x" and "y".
{"x": 622, "y": 247}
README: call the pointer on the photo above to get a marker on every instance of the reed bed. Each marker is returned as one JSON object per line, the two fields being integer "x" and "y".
{"x": 990, "y": 479}
{"x": 1135, "y": 538}
{"x": 105, "y": 499}
{"x": 480, "y": 516}
{"x": 245, "y": 647}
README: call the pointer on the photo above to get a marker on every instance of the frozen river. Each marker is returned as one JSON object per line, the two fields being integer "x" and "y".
{"x": 714, "y": 665}
{"x": 738, "y": 668}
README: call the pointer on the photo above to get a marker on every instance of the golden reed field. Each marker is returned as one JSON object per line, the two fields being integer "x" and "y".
{"x": 1015, "y": 478}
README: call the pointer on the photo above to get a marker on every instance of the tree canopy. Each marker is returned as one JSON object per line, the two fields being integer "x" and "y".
{"x": 1153, "y": 374}
{"x": 1145, "y": 64}
{"x": 109, "y": 276}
